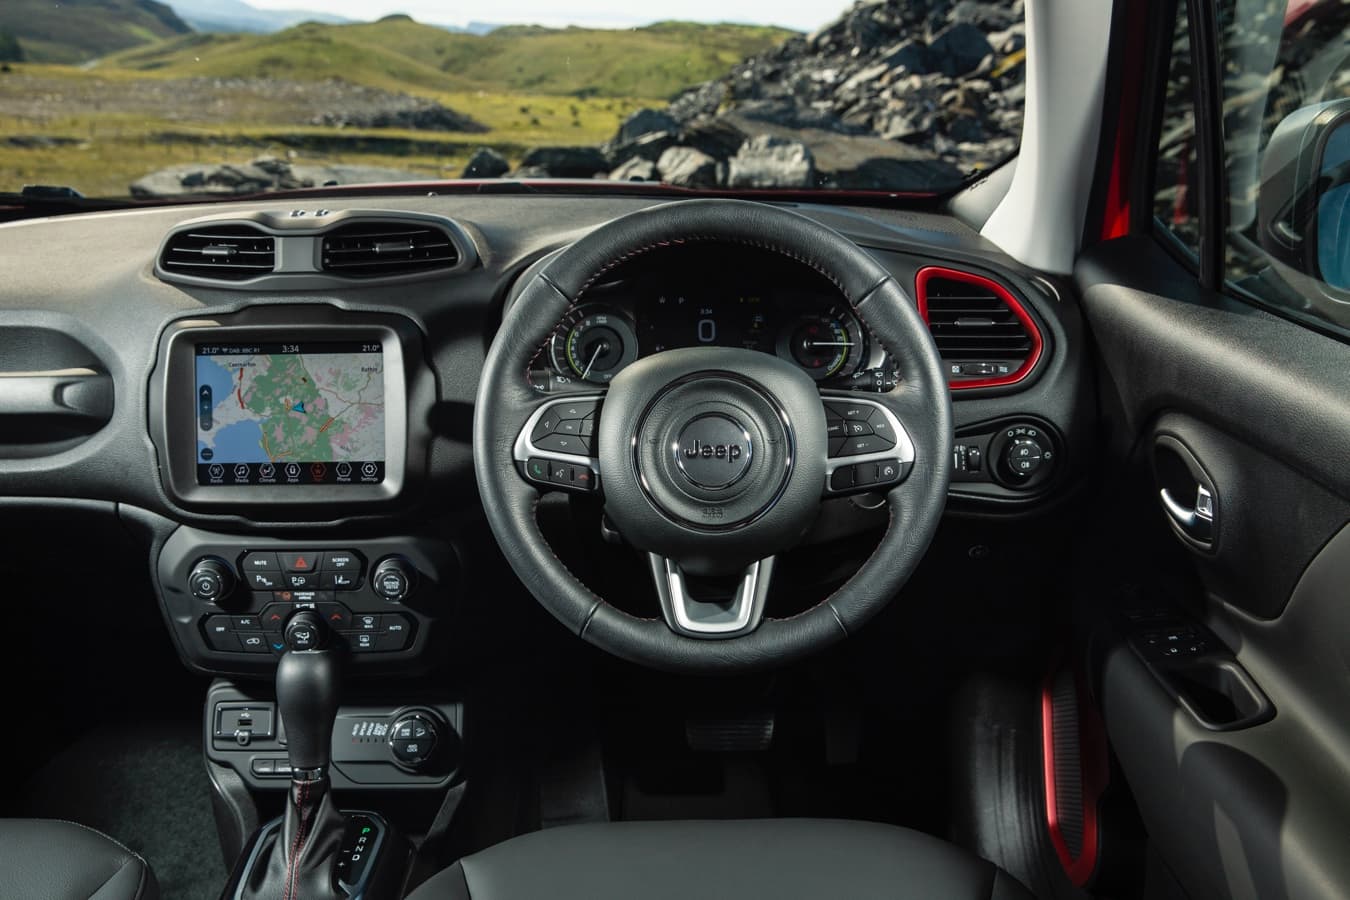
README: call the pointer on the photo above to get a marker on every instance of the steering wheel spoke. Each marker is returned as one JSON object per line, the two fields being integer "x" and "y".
{"x": 868, "y": 446}
{"x": 729, "y": 608}
{"x": 556, "y": 449}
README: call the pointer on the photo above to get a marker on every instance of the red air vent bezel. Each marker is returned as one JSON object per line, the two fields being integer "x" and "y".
{"x": 1019, "y": 311}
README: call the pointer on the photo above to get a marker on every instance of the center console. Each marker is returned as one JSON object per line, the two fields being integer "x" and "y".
{"x": 292, "y": 439}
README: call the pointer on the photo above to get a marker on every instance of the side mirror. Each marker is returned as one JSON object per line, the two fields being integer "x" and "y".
{"x": 1304, "y": 204}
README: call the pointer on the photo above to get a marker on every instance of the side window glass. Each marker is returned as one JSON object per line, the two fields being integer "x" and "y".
{"x": 1174, "y": 177}
{"x": 1285, "y": 66}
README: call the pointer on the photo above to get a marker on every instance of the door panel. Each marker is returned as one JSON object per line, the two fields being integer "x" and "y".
{"x": 1263, "y": 405}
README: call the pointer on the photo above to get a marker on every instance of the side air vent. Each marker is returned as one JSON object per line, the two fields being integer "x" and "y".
{"x": 381, "y": 249}
{"x": 220, "y": 252}
{"x": 984, "y": 334}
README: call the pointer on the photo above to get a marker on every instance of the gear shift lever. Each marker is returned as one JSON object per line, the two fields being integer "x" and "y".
{"x": 307, "y": 697}
{"x": 300, "y": 858}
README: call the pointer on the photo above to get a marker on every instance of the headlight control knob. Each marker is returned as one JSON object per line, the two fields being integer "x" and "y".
{"x": 210, "y": 580}
{"x": 393, "y": 578}
{"x": 1024, "y": 457}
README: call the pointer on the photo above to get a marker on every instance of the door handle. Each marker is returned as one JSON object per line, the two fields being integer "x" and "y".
{"x": 1196, "y": 521}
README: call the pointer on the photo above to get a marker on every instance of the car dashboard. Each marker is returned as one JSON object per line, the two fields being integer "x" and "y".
{"x": 126, "y": 336}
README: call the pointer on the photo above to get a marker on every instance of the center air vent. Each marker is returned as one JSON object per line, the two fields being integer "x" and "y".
{"x": 983, "y": 333}
{"x": 221, "y": 252}
{"x": 381, "y": 249}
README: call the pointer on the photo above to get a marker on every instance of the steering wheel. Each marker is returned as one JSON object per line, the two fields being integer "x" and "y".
{"x": 713, "y": 460}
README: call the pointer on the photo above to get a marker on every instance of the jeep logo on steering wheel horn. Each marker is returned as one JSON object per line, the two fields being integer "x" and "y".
{"x": 713, "y": 451}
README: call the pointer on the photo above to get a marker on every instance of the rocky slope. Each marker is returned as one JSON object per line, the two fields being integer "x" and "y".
{"x": 896, "y": 94}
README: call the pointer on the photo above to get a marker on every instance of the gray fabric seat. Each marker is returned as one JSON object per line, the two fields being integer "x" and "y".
{"x": 784, "y": 859}
{"x": 48, "y": 859}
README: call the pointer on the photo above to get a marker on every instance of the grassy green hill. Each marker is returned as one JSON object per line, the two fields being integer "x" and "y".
{"x": 398, "y": 53}
{"x": 74, "y": 31}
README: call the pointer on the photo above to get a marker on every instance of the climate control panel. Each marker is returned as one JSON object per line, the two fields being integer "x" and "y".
{"x": 236, "y": 604}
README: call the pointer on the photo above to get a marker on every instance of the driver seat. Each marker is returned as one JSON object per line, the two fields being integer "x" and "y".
{"x": 784, "y": 859}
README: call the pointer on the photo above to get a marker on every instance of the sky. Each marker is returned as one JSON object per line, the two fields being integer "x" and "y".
{"x": 803, "y": 15}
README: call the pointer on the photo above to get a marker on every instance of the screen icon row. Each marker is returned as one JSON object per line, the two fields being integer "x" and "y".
{"x": 359, "y": 472}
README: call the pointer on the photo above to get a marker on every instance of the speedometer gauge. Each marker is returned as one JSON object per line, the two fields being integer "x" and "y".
{"x": 593, "y": 344}
{"x": 826, "y": 345}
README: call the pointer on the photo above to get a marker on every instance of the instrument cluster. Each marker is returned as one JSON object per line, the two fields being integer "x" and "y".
{"x": 626, "y": 320}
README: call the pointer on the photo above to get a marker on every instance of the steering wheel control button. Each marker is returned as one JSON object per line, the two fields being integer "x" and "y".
{"x": 868, "y": 475}
{"x": 304, "y": 562}
{"x": 393, "y": 579}
{"x": 857, "y": 411}
{"x": 572, "y": 444}
{"x": 861, "y": 446}
{"x": 210, "y": 580}
{"x": 714, "y": 451}
{"x": 576, "y": 409}
{"x": 261, "y": 562}
{"x": 545, "y": 426}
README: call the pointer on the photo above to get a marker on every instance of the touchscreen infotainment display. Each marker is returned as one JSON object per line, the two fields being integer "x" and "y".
{"x": 290, "y": 413}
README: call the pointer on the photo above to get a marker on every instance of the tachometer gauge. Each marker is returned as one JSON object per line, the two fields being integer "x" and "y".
{"x": 593, "y": 344}
{"x": 826, "y": 345}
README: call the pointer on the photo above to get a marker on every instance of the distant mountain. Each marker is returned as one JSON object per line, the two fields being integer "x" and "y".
{"x": 235, "y": 15}
{"x": 74, "y": 31}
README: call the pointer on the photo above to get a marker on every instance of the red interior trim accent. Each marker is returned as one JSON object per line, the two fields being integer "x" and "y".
{"x": 928, "y": 273}
{"x": 1096, "y": 773}
{"x": 1117, "y": 214}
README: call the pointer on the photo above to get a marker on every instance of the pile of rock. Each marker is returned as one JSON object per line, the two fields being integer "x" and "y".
{"x": 266, "y": 173}
{"x": 895, "y": 95}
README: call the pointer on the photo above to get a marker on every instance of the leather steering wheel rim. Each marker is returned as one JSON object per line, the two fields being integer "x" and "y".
{"x": 921, "y": 401}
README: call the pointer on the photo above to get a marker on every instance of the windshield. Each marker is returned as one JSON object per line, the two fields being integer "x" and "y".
{"x": 117, "y": 98}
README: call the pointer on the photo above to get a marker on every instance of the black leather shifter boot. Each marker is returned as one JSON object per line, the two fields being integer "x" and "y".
{"x": 299, "y": 859}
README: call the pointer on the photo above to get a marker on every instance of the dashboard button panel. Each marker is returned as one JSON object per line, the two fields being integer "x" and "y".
{"x": 380, "y": 599}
